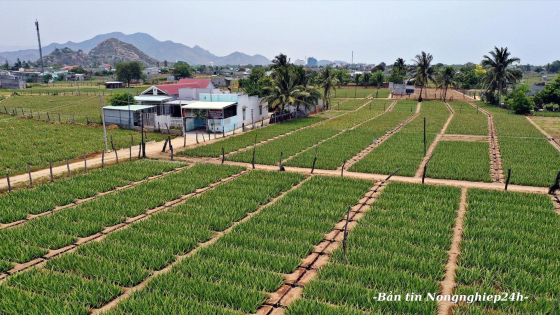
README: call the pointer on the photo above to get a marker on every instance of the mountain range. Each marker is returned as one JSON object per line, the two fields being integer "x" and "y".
{"x": 159, "y": 50}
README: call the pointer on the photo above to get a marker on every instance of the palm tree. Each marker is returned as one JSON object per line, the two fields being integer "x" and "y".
{"x": 282, "y": 92}
{"x": 377, "y": 78}
{"x": 446, "y": 78}
{"x": 499, "y": 71}
{"x": 423, "y": 71}
{"x": 327, "y": 82}
{"x": 400, "y": 65}
{"x": 306, "y": 96}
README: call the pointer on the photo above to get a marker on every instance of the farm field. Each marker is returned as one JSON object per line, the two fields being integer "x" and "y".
{"x": 269, "y": 153}
{"x": 272, "y": 243}
{"x": 510, "y": 240}
{"x": 467, "y": 120}
{"x": 549, "y": 124}
{"x": 77, "y": 107}
{"x": 247, "y": 139}
{"x": 399, "y": 246}
{"x": 405, "y": 150}
{"x": 83, "y": 90}
{"x": 26, "y": 141}
{"x": 462, "y": 160}
{"x": 346, "y": 104}
{"x": 524, "y": 149}
{"x": 359, "y": 92}
{"x": 46, "y": 197}
{"x": 332, "y": 153}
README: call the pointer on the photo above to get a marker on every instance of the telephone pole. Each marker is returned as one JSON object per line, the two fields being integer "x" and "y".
{"x": 40, "y": 49}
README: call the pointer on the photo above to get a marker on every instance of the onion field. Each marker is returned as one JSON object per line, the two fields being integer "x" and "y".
{"x": 462, "y": 160}
{"x": 467, "y": 120}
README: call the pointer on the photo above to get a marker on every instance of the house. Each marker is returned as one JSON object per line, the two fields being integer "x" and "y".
{"x": 104, "y": 67}
{"x": 8, "y": 81}
{"x": 114, "y": 85}
{"x": 68, "y": 68}
{"x": 534, "y": 89}
{"x": 151, "y": 71}
{"x": 401, "y": 89}
{"x": 126, "y": 116}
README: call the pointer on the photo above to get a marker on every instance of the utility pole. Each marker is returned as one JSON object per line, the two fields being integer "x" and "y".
{"x": 103, "y": 121}
{"x": 40, "y": 49}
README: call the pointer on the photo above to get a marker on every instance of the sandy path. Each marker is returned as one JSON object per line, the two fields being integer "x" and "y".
{"x": 432, "y": 147}
{"x": 129, "y": 291}
{"x": 108, "y": 230}
{"x": 294, "y": 283}
{"x": 448, "y": 283}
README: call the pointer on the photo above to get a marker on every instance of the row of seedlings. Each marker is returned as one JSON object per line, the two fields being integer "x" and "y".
{"x": 405, "y": 150}
{"x": 397, "y": 251}
{"x": 234, "y": 274}
{"x": 39, "y": 238}
{"x": 290, "y": 145}
{"x": 127, "y": 257}
{"x": 332, "y": 153}
{"x": 244, "y": 140}
{"x": 524, "y": 149}
{"x": 467, "y": 120}
{"x": 19, "y": 204}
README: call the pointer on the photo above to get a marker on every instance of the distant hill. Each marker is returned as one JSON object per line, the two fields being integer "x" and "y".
{"x": 159, "y": 50}
{"x": 108, "y": 51}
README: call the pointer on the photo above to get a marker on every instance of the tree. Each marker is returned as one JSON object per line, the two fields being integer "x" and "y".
{"x": 377, "y": 79}
{"x": 121, "y": 99}
{"x": 423, "y": 71}
{"x": 499, "y": 72}
{"x": 47, "y": 77}
{"x": 554, "y": 67}
{"x": 306, "y": 96}
{"x": 446, "y": 78}
{"x": 79, "y": 70}
{"x": 366, "y": 78}
{"x": 165, "y": 63}
{"x": 539, "y": 69}
{"x": 327, "y": 82}
{"x": 518, "y": 101}
{"x": 128, "y": 71}
{"x": 549, "y": 95}
{"x": 182, "y": 70}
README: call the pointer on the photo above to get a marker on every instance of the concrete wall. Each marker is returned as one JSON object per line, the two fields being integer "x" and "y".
{"x": 250, "y": 103}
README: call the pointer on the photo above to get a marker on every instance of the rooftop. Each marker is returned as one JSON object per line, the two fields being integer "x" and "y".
{"x": 208, "y": 105}
{"x": 131, "y": 107}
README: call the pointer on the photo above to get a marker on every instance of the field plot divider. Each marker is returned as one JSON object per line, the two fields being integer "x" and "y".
{"x": 550, "y": 139}
{"x": 390, "y": 108}
{"x": 382, "y": 139}
{"x": 80, "y": 201}
{"x": 434, "y": 144}
{"x": 448, "y": 284}
{"x": 496, "y": 167}
{"x": 294, "y": 283}
{"x": 129, "y": 291}
{"x": 38, "y": 262}
{"x": 291, "y": 132}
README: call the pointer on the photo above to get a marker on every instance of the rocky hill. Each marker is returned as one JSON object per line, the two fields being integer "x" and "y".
{"x": 108, "y": 51}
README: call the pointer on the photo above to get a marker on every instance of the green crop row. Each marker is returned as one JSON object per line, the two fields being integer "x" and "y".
{"x": 248, "y": 139}
{"x": 233, "y": 274}
{"x": 45, "y": 197}
{"x": 332, "y": 153}
{"x": 510, "y": 245}
{"x": 400, "y": 246}
{"x": 460, "y": 160}
{"x": 467, "y": 120}
{"x": 353, "y": 118}
{"x": 26, "y": 141}
{"x": 348, "y": 105}
{"x": 405, "y": 150}
{"x": 32, "y": 240}
{"x": 509, "y": 124}
{"x": 129, "y": 256}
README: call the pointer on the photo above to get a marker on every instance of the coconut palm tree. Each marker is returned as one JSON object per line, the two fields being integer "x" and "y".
{"x": 400, "y": 65}
{"x": 306, "y": 96}
{"x": 327, "y": 82}
{"x": 282, "y": 93}
{"x": 423, "y": 71}
{"x": 446, "y": 78}
{"x": 499, "y": 72}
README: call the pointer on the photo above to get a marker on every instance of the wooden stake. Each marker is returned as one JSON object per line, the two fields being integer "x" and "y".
{"x": 344, "y": 242}
{"x": 30, "y": 178}
{"x": 223, "y": 155}
{"x": 507, "y": 180}
{"x": 116, "y": 155}
{"x": 103, "y": 159}
{"x": 342, "y": 169}
{"x": 68, "y": 167}
{"x": 8, "y": 179}
{"x": 50, "y": 168}
{"x": 85, "y": 163}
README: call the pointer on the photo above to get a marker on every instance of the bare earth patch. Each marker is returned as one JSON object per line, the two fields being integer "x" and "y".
{"x": 550, "y": 124}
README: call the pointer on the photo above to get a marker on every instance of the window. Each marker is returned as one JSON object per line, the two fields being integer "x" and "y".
{"x": 243, "y": 113}
{"x": 260, "y": 110}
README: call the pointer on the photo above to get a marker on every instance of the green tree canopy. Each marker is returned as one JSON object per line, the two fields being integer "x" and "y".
{"x": 549, "y": 95}
{"x": 518, "y": 101}
{"x": 47, "y": 77}
{"x": 128, "y": 71}
{"x": 182, "y": 69}
{"x": 121, "y": 99}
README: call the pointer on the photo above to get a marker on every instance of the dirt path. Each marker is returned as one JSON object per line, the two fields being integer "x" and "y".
{"x": 432, "y": 147}
{"x": 129, "y": 291}
{"x": 379, "y": 141}
{"x": 98, "y": 236}
{"x": 79, "y": 201}
{"x": 496, "y": 168}
{"x": 548, "y": 137}
{"x": 390, "y": 108}
{"x": 294, "y": 283}
{"x": 448, "y": 284}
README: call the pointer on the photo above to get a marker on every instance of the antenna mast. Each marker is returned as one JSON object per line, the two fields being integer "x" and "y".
{"x": 40, "y": 49}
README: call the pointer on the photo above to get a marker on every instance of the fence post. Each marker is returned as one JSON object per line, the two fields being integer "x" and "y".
{"x": 68, "y": 167}
{"x": 425, "y": 168}
{"x": 116, "y": 155}
{"x": 342, "y": 169}
{"x": 184, "y": 140}
{"x": 103, "y": 159}
{"x": 164, "y": 145}
{"x": 30, "y": 178}
{"x": 50, "y": 168}
{"x": 197, "y": 137}
{"x": 556, "y": 185}
{"x": 345, "y": 235}
{"x": 223, "y": 155}
{"x": 507, "y": 180}
{"x": 254, "y": 149}
{"x": 8, "y": 179}
{"x": 171, "y": 149}
{"x": 280, "y": 166}
{"x": 85, "y": 163}
{"x": 48, "y": 117}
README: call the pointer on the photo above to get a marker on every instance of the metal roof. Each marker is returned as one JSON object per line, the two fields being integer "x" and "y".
{"x": 132, "y": 107}
{"x": 208, "y": 105}
{"x": 112, "y": 82}
{"x": 179, "y": 102}
{"x": 152, "y": 98}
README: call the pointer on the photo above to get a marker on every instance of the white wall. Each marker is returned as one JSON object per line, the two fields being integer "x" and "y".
{"x": 250, "y": 102}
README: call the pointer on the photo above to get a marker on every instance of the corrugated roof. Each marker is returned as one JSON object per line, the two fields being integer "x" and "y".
{"x": 126, "y": 107}
{"x": 200, "y": 83}
{"x": 208, "y": 105}
{"x": 173, "y": 89}
{"x": 152, "y": 98}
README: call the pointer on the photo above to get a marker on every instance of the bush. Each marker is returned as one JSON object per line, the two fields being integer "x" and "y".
{"x": 518, "y": 101}
{"x": 121, "y": 99}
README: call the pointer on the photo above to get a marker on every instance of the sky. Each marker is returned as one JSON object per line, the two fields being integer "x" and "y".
{"x": 454, "y": 32}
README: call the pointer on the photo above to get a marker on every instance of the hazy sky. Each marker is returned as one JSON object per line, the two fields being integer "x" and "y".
{"x": 452, "y": 31}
